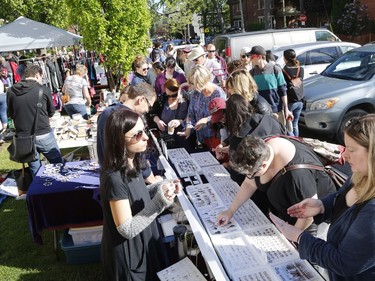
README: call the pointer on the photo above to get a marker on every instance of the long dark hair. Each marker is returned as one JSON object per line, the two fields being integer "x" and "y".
{"x": 291, "y": 58}
{"x": 118, "y": 124}
{"x": 238, "y": 109}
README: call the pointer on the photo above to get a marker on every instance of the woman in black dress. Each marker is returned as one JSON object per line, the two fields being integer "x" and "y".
{"x": 130, "y": 236}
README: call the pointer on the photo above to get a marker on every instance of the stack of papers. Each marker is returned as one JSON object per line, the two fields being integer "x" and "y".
{"x": 9, "y": 187}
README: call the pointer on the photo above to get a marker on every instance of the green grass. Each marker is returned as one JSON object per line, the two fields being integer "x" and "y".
{"x": 20, "y": 257}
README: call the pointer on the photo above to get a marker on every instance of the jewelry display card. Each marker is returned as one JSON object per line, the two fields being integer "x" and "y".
{"x": 261, "y": 274}
{"x": 215, "y": 174}
{"x": 187, "y": 167}
{"x": 182, "y": 270}
{"x": 299, "y": 270}
{"x": 209, "y": 219}
{"x": 270, "y": 241}
{"x": 203, "y": 196}
{"x": 205, "y": 159}
{"x": 249, "y": 216}
{"x": 227, "y": 190}
{"x": 177, "y": 154}
{"x": 236, "y": 253}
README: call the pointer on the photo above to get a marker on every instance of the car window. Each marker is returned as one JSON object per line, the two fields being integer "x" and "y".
{"x": 302, "y": 58}
{"x": 322, "y": 56}
{"x": 353, "y": 65}
{"x": 344, "y": 49}
{"x": 322, "y": 35}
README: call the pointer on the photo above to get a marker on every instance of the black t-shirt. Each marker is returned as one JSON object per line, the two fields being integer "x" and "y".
{"x": 296, "y": 185}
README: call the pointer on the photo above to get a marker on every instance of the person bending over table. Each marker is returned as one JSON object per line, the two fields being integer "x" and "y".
{"x": 349, "y": 252}
{"x": 130, "y": 235}
{"x": 261, "y": 162}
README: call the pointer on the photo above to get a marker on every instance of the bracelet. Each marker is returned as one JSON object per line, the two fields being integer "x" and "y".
{"x": 299, "y": 237}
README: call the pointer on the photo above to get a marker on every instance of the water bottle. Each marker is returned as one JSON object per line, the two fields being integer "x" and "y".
{"x": 289, "y": 125}
{"x": 179, "y": 232}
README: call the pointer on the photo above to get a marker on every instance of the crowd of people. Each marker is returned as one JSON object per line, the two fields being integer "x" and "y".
{"x": 194, "y": 100}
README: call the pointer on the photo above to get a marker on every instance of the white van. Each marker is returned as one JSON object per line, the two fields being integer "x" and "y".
{"x": 229, "y": 45}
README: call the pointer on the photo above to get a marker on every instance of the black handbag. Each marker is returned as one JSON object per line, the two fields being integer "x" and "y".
{"x": 23, "y": 179}
{"x": 23, "y": 147}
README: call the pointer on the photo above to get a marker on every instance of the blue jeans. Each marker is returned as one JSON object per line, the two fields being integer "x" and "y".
{"x": 295, "y": 108}
{"x": 76, "y": 108}
{"x": 3, "y": 109}
{"x": 47, "y": 145}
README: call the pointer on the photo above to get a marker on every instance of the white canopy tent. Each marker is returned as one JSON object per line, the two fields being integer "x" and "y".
{"x": 26, "y": 34}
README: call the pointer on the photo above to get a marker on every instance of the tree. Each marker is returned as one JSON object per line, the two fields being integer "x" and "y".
{"x": 52, "y": 12}
{"x": 354, "y": 19}
{"x": 117, "y": 28}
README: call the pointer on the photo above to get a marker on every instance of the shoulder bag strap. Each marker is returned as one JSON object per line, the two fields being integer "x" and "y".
{"x": 297, "y": 74}
{"x": 287, "y": 74}
{"x": 38, "y": 107}
{"x": 296, "y": 167}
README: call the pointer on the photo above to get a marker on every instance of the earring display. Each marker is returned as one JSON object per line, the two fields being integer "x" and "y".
{"x": 203, "y": 196}
{"x": 227, "y": 190}
{"x": 249, "y": 216}
{"x": 263, "y": 274}
{"x": 176, "y": 154}
{"x": 187, "y": 167}
{"x": 182, "y": 270}
{"x": 270, "y": 241}
{"x": 209, "y": 219}
{"x": 215, "y": 174}
{"x": 299, "y": 270}
{"x": 204, "y": 159}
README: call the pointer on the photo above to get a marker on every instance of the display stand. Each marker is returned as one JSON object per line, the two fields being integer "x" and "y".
{"x": 249, "y": 247}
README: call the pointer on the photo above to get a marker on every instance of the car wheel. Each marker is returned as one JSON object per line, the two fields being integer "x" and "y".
{"x": 349, "y": 115}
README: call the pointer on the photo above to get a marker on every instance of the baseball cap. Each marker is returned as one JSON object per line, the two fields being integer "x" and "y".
{"x": 187, "y": 49}
{"x": 216, "y": 108}
{"x": 257, "y": 50}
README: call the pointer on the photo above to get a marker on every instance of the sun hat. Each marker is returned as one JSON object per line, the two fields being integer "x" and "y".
{"x": 245, "y": 50}
{"x": 196, "y": 53}
{"x": 216, "y": 108}
{"x": 257, "y": 50}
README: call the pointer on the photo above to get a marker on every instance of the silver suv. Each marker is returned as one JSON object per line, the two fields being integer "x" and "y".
{"x": 315, "y": 57}
{"x": 346, "y": 88}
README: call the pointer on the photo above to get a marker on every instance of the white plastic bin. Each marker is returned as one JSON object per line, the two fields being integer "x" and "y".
{"x": 86, "y": 235}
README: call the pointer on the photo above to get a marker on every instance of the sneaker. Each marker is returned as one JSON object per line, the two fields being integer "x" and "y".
{"x": 21, "y": 197}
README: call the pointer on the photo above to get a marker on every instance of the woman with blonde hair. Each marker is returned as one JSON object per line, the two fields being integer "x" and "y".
{"x": 348, "y": 253}
{"x": 140, "y": 68}
{"x": 198, "y": 116}
{"x": 76, "y": 89}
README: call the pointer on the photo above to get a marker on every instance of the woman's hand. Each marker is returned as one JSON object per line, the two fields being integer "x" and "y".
{"x": 289, "y": 231}
{"x": 171, "y": 189}
{"x": 161, "y": 125}
{"x": 201, "y": 123}
{"x": 221, "y": 151}
{"x": 306, "y": 209}
{"x": 174, "y": 123}
{"x": 185, "y": 134}
{"x": 224, "y": 217}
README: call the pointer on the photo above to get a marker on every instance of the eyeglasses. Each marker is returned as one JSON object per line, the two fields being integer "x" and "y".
{"x": 137, "y": 136}
{"x": 172, "y": 96}
{"x": 187, "y": 52}
{"x": 211, "y": 51}
{"x": 148, "y": 104}
{"x": 245, "y": 56}
{"x": 145, "y": 69}
{"x": 252, "y": 176}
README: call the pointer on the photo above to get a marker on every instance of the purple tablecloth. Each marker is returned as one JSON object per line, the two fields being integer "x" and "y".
{"x": 69, "y": 198}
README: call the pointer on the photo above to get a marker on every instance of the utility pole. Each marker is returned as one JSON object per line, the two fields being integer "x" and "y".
{"x": 242, "y": 19}
{"x": 267, "y": 14}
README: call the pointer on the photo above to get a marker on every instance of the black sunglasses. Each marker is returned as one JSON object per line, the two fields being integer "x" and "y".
{"x": 211, "y": 51}
{"x": 144, "y": 69}
{"x": 244, "y": 56}
{"x": 137, "y": 136}
{"x": 186, "y": 52}
{"x": 148, "y": 104}
{"x": 172, "y": 96}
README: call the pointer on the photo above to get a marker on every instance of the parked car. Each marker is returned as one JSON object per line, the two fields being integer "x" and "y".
{"x": 346, "y": 88}
{"x": 314, "y": 57}
{"x": 229, "y": 45}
